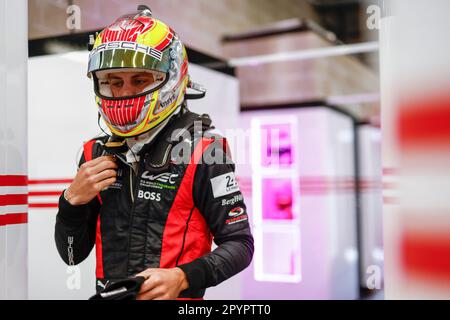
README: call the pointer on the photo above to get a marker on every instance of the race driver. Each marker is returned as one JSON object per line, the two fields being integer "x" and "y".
{"x": 147, "y": 210}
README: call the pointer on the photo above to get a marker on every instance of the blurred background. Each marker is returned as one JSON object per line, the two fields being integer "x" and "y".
{"x": 327, "y": 206}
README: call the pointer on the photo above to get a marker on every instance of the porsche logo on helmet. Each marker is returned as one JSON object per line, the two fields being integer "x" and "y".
{"x": 128, "y": 45}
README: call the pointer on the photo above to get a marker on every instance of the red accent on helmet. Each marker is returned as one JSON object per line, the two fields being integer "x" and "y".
{"x": 127, "y": 30}
{"x": 166, "y": 41}
{"x": 122, "y": 112}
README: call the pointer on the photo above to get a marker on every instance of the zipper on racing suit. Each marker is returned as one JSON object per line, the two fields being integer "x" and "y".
{"x": 134, "y": 176}
{"x": 132, "y": 171}
{"x": 131, "y": 184}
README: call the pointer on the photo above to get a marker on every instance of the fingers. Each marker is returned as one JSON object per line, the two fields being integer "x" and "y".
{"x": 96, "y": 161}
{"x": 149, "y": 295}
{"x": 101, "y": 166}
{"x": 104, "y": 175}
{"x": 92, "y": 177}
{"x": 159, "y": 285}
{"x": 104, "y": 183}
{"x": 98, "y": 165}
{"x": 149, "y": 284}
{"x": 163, "y": 297}
{"x": 146, "y": 273}
{"x": 152, "y": 288}
{"x": 157, "y": 293}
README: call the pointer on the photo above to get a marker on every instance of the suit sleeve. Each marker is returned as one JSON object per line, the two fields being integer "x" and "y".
{"x": 219, "y": 199}
{"x": 75, "y": 229}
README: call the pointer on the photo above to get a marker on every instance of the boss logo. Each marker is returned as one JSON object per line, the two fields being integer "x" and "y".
{"x": 147, "y": 195}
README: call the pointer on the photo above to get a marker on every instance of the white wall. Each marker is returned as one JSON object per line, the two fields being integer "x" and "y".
{"x": 13, "y": 149}
{"x": 62, "y": 115}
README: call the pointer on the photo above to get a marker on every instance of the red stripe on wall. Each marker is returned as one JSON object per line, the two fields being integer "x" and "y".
{"x": 50, "y": 181}
{"x": 391, "y": 171}
{"x": 43, "y": 205}
{"x": 13, "y": 181}
{"x": 44, "y": 193}
{"x": 391, "y": 200}
{"x": 390, "y": 186}
{"x": 314, "y": 185}
{"x": 13, "y": 199}
{"x": 13, "y": 218}
{"x": 426, "y": 254}
{"x": 425, "y": 122}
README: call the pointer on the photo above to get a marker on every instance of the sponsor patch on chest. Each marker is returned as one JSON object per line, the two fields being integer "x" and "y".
{"x": 166, "y": 180}
{"x": 224, "y": 184}
{"x": 147, "y": 195}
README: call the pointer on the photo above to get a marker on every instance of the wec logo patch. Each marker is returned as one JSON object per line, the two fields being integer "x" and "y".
{"x": 165, "y": 177}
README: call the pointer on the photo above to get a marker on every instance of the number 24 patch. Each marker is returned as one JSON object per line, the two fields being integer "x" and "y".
{"x": 224, "y": 184}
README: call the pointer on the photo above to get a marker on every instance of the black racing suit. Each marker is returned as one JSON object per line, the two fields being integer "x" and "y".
{"x": 160, "y": 219}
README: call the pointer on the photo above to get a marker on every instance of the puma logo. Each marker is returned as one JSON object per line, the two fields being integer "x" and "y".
{"x": 100, "y": 284}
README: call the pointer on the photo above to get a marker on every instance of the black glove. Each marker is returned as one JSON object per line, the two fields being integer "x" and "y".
{"x": 127, "y": 289}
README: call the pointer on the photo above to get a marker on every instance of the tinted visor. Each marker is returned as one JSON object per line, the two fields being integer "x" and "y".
{"x": 143, "y": 57}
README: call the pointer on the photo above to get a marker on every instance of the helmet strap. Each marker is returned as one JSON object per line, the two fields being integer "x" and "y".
{"x": 115, "y": 144}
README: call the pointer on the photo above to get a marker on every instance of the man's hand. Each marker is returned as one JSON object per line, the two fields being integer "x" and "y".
{"x": 162, "y": 284}
{"x": 92, "y": 177}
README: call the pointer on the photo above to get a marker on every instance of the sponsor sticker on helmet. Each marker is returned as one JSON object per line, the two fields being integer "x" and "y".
{"x": 224, "y": 184}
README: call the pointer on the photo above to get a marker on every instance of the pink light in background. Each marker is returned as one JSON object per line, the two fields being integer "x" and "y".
{"x": 277, "y": 149}
{"x": 275, "y": 195}
{"x": 277, "y": 201}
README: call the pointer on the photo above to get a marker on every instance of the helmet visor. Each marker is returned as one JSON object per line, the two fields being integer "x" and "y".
{"x": 104, "y": 57}
{"x": 125, "y": 83}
